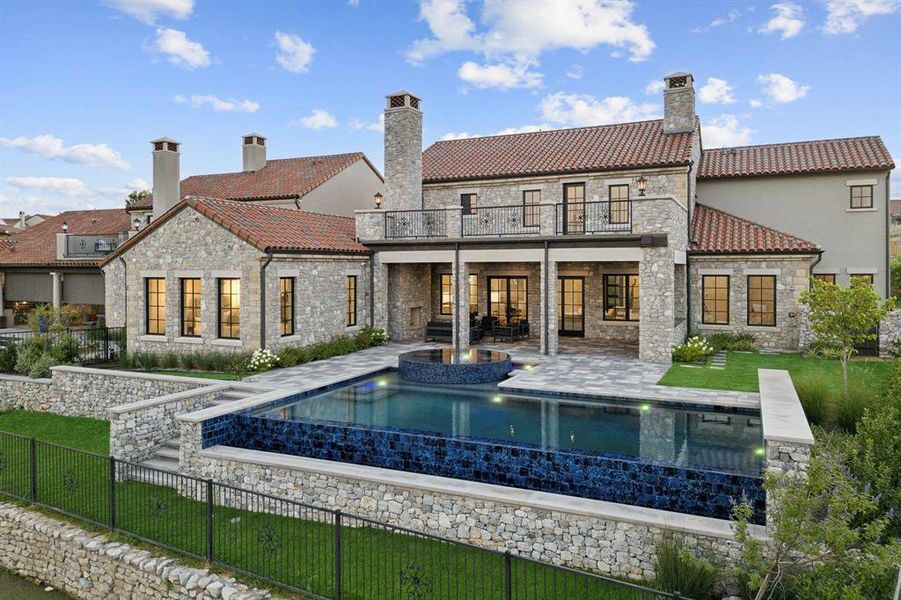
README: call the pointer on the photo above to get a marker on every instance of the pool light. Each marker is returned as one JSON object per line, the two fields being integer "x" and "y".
{"x": 497, "y": 399}
{"x": 644, "y": 407}
{"x": 383, "y": 382}
{"x": 759, "y": 451}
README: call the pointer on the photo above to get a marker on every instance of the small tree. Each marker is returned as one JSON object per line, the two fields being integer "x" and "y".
{"x": 896, "y": 275}
{"x": 845, "y": 317}
{"x": 135, "y": 197}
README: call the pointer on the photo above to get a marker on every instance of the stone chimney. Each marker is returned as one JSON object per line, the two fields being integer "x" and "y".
{"x": 403, "y": 152}
{"x": 254, "y": 152}
{"x": 166, "y": 177}
{"x": 679, "y": 103}
{"x": 22, "y": 219}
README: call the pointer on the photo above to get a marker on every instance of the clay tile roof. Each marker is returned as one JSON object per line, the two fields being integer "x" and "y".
{"x": 280, "y": 178}
{"x": 717, "y": 232}
{"x": 818, "y": 156}
{"x": 145, "y": 204}
{"x": 36, "y": 246}
{"x": 585, "y": 149}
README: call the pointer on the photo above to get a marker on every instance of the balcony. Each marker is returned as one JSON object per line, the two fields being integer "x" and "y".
{"x": 88, "y": 246}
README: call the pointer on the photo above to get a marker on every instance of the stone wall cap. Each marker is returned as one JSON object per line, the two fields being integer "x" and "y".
{"x": 160, "y": 400}
{"x": 781, "y": 413}
{"x": 24, "y": 379}
{"x": 130, "y": 374}
{"x": 599, "y": 509}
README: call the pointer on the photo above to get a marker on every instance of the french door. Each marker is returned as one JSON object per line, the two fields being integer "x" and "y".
{"x": 574, "y": 208}
{"x": 571, "y": 306}
{"x": 508, "y": 299}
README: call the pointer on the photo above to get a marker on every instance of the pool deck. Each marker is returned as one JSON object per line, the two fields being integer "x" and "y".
{"x": 585, "y": 375}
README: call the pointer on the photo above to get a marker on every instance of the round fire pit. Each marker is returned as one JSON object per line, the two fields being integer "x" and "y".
{"x": 443, "y": 365}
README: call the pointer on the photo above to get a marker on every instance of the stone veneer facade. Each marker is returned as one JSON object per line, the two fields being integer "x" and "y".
{"x": 792, "y": 278}
{"x": 91, "y": 566}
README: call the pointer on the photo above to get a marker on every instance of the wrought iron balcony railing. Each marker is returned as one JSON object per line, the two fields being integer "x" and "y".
{"x": 414, "y": 224}
{"x": 498, "y": 221}
{"x": 587, "y": 218}
{"x": 79, "y": 246}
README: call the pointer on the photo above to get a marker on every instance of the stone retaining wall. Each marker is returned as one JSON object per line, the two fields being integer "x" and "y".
{"x": 19, "y": 392}
{"x": 890, "y": 334}
{"x": 88, "y": 565}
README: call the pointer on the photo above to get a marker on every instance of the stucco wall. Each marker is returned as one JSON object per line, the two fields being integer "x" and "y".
{"x": 351, "y": 189}
{"x": 792, "y": 278}
{"x": 816, "y": 208}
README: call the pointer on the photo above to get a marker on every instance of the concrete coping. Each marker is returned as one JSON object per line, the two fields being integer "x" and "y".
{"x": 121, "y": 409}
{"x": 599, "y": 509}
{"x": 781, "y": 413}
{"x": 129, "y": 374}
{"x": 24, "y": 379}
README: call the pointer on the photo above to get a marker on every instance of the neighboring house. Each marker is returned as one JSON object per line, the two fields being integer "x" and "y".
{"x": 191, "y": 280}
{"x": 895, "y": 227}
{"x": 336, "y": 184}
{"x": 57, "y": 262}
{"x": 628, "y": 236}
{"x": 10, "y": 227}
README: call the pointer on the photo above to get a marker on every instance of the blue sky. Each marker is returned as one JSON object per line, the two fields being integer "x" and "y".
{"x": 84, "y": 86}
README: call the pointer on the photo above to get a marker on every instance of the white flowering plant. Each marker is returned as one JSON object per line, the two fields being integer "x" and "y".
{"x": 695, "y": 349}
{"x": 262, "y": 360}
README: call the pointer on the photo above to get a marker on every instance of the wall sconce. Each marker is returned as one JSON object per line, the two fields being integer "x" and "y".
{"x": 378, "y": 200}
{"x": 65, "y": 227}
{"x": 137, "y": 223}
{"x": 642, "y": 185}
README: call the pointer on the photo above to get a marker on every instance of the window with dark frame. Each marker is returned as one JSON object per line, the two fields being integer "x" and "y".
{"x": 286, "y": 305}
{"x": 622, "y": 298}
{"x": 229, "y": 309}
{"x": 473, "y": 294}
{"x": 190, "y": 307}
{"x": 469, "y": 203}
{"x": 825, "y": 277}
{"x": 868, "y": 277}
{"x": 715, "y": 295}
{"x": 531, "y": 208}
{"x": 351, "y": 300}
{"x": 155, "y": 302}
{"x": 447, "y": 294}
{"x": 619, "y": 203}
{"x": 762, "y": 300}
{"x": 861, "y": 196}
{"x": 574, "y": 206}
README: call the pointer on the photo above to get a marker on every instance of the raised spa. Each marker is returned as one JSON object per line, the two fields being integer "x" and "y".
{"x": 445, "y": 366}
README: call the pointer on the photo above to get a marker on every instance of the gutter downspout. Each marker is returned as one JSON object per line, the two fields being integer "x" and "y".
{"x": 372, "y": 290}
{"x": 688, "y": 256}
{"x": 547, "y": 326}
{"x": 810, "y": 270}
{"x": 263, "y": 299}
{"x": 456, "y": 329}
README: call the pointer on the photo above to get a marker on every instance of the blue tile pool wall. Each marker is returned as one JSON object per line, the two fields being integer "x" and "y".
{"x": 585, "y": 475}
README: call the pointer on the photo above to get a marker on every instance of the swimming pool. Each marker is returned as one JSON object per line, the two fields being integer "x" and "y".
{"x": 679, "y": 457}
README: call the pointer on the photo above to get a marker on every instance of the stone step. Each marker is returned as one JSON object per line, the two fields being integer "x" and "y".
{"x": 173, "y": 443}
{"x": 160, "y": 464}
{"x": 234, "y": 395}
{"x": 167, "y": 452}
{"x": 221, "y": 401}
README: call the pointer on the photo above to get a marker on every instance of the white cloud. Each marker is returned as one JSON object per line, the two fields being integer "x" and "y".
{"x": 755, "y": 103}
{"x": 181, "y": 51}
{"x": 788, "y": 22}
{"x": 895, "y": 182}
{"x": 50, "y": 146}
{"x": 147, "y": 11}
{"x": 654, "y": 87}
{"x": 716, "y": 91}
{"x": 524, "y": 129}
{"x": 845, "y": 16}
{"x": 69, "y": 186}
{"x": 137, "y": 184}
{"x": 461, "y": 135}
{"x": 294, "y": 54}
{"x": 499, "y": 76}
{"x": 782, "y": 89}
{"x": 575, "y": 72}
{"x": 724, "y": 131}
{"x": 515, "y": 37}
{"x": 218, "y": 104}
{"x": 730, "y": 18}
{"x": 318, "y": 119}
{"x": 578, "y": 110}
{"x": 378, "y": 125}
{"x": 354, "y": 3}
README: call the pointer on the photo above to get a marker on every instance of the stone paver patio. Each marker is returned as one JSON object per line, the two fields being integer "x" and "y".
{"x": 587, "y": 375}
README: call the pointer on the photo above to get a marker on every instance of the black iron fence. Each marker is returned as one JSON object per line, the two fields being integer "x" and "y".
{"x": 429, "y": 223}
{"x": 499, "y": 221}
{"x": 318, "y": 552}
{"x": 93, "y": 245}
{"x": 609, "y": 216}
{"x": 98, "y": 344}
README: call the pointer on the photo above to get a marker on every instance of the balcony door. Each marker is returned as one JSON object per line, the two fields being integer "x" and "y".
{"x": 508, "y": 299}
{"x": 571, "y": 306}
{"x": 573, "y": 208}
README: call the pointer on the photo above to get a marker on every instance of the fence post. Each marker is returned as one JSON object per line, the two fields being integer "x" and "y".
{"x": 106, "y": 354}
{"x": 508, "y": 575}
{"x": 209, "y": 520}
{"x": 112, "y": 493}
{"x": 34, "y": 470}
{"x": 338, "y": 595}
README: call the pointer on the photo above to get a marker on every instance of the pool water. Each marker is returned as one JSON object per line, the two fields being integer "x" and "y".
{"x": 681, "y": 435}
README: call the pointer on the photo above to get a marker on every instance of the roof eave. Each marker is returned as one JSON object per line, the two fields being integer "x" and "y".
{"x": 555, "y": 173}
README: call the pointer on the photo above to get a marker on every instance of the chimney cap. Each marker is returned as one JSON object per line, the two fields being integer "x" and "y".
{"x": 403, "y": 93}
{"x": 165, "y": 139}
{"x": 254, "y": 134}
{"x": 678, "y": 74}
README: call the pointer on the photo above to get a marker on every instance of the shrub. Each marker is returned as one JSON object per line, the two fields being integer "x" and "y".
{"x": 850, "y": 407}
{"x": 170, "y": 360}
{"x": 369, "y": 337}
{"x": 262, "y": 360}
{"x": 237, "y": 367}
{"x": 743, "y": 345}
{"x": 8, "y": 355}
{"x": 814, "y": 395}
{"x": 736, "y": 342}
{"x": 819, "y": 349}
{"x": 292, "y": 356}
{"x": 127, "y": 361}
{"x": 66, "y": 350}
{"x": 189, "y": 361}
{"x": 695, "y": 349}
{"x": 29, "y": 352}
{"x": 678, "y": 570}
{"x": 41, "y": 366}
{"x": 148, "y": 360}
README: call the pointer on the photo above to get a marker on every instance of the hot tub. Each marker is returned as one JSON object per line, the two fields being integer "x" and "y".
{"x": 444, "y": 366}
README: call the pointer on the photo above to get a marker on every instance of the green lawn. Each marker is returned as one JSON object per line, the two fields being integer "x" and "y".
{"x": 200, "y": 374}
{"x": 741, "y": 371}
{"x": 294, "y": 548}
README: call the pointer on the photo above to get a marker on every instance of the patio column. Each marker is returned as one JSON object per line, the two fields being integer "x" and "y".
{"x": 379, "y": 293}
{"x": 57, "y": 290}
{"x": 656, "y": 321}
{"x": 460, "y": 284}
{"x": 548, "y": 307}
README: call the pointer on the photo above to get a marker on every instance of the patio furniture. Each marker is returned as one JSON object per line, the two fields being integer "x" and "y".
{"x": 488, "y": 324}
{"x": 505, "y": 332}
{"x": 439, "y": 331}
{"x": 524, "y": 329}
